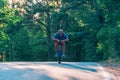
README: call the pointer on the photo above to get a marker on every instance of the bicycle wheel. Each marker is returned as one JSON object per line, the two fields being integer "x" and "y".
{"x": 59, "y": 54}
{"x": 59, "y": 60}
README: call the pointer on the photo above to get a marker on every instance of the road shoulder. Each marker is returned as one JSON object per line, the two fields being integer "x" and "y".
{"x": 112, "y": 68}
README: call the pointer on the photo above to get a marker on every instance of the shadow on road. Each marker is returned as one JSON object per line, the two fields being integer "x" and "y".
{"x": 79, "y": 67}
{"x": 49, "y": 71}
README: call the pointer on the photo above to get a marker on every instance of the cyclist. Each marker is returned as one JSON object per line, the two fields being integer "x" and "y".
{"x": 62, "y": 37}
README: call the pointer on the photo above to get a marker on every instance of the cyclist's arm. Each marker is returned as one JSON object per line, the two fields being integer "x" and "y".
{"x": 66, "y": 38}
{"x": 55, "y": 37}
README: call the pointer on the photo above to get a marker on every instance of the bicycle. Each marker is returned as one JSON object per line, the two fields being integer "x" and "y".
{"x": 60, "y": 52}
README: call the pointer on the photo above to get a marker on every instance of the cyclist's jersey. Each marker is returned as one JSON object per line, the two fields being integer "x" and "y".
{"x": 63, "y": 37}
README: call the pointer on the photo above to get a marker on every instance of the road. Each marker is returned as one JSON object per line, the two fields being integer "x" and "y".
{"x": 53, "y": 71}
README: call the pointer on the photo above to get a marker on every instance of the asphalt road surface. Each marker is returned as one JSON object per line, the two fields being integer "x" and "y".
{"x": 53, "y": 71}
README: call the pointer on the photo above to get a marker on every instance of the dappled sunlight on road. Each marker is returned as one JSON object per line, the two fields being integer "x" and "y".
{"x": 51, "y": 71}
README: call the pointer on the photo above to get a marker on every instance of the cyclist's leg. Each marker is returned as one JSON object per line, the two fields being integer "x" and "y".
{"x": 63, "y": 48}
{"x": 56, "y": 46}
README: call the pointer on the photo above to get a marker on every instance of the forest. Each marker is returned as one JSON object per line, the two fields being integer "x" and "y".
{"x": 27, "y": 28}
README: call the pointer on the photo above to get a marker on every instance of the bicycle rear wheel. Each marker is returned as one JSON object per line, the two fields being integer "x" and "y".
{"x": 59, "y": 60}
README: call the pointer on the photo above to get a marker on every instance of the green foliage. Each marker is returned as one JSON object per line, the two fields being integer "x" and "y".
{"x": 108, "y": 42}
{"x": 93, "y": 27}
{"x": 3, "y": 3}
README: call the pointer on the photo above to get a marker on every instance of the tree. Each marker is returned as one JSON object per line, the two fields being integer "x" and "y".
{"x": 8, "y": 26}
{"x": 108, "y": 35}
{"x": 27, "y": 27}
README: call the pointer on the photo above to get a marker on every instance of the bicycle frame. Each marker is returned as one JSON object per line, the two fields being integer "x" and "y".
{"x": 60, "y": 53}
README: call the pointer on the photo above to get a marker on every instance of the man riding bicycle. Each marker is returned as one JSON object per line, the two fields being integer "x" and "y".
{"x": 60, "y": 37}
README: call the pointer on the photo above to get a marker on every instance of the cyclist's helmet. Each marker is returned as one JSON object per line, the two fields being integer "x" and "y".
{"x": 60, "y": 30}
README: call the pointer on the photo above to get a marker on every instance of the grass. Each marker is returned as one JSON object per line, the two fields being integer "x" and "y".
{"x": 113, "y": 63}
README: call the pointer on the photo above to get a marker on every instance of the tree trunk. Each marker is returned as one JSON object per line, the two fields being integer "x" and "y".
{"x": 48, "y": 26}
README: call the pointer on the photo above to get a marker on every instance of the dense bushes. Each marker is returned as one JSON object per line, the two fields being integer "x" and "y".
{"x": 93, "y": 27}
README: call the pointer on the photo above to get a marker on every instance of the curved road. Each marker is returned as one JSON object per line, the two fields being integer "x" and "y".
{"x": 53, "y": 71}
